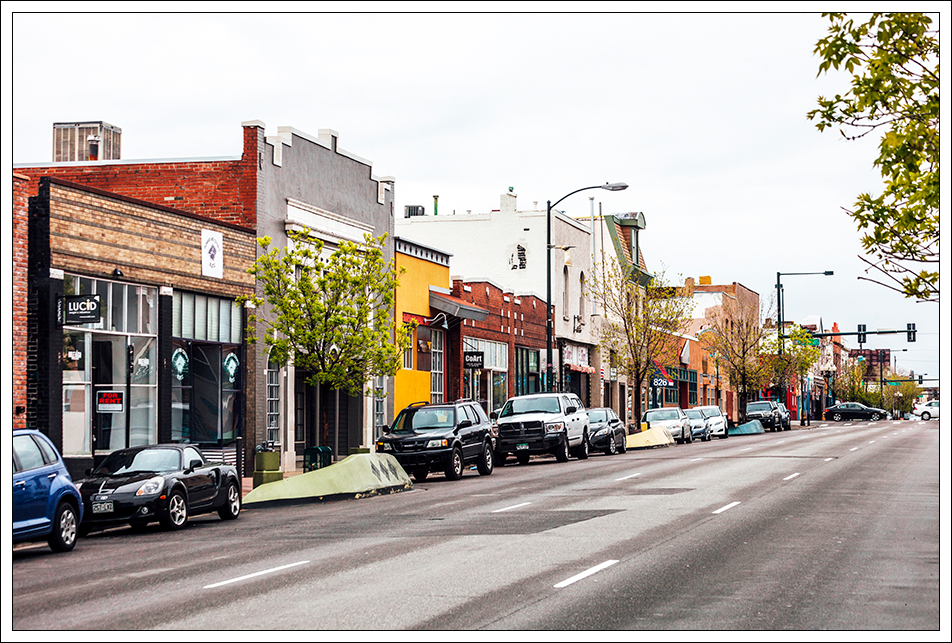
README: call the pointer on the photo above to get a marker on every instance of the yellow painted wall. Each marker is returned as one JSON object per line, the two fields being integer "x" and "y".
{"x": 413, "y": 296}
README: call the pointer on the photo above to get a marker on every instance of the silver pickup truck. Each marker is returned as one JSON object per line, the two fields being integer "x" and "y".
{"x": 553, "y": 423}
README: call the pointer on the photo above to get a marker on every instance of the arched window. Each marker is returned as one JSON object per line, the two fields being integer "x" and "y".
{"x": 581, "y": 295}
{"x": 565, "y": 292}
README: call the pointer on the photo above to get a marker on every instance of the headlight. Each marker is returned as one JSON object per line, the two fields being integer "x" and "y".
{"x": 384, "y": 446}
{"x": 600, "y": 432}
{"x": 555, "y": 427}
{"x": 437, "y": 444}
{"x": 151, "y": 487}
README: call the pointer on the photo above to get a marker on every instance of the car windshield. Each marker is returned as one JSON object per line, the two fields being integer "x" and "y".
{"x": 598, "y": 416}
{"x": 694, "y": 414}
{"x": 124, "y": 463}
{"x": 425, "y": 419}
{"x": 655, "y": 415}
{"x": 522, "y": 405}
{"x": 758, "y": 406}
{"x": 711, "y": 412}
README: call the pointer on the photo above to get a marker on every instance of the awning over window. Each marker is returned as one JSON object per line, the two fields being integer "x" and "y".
{"x": 456, "y": 307}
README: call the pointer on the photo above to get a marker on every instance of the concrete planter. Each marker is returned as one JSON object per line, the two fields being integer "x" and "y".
{"x": 268, "y": 461}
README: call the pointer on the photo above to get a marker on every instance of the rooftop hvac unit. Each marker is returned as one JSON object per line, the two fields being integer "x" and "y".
{"x": 72, "y": 141}
{"x": 413, "y": 211}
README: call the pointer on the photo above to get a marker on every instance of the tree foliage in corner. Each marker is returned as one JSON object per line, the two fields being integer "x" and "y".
{"x": 331, "y": 314}
{"x": 894, "y": 59}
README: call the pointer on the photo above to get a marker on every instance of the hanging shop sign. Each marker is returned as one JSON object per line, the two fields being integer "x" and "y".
{"x": 109, "y": 401}
{"x": 75, "y": 310}
{"x": 661, "y": 378}
{"x": 212, "y": 255}
{"x": 473, "y": 359}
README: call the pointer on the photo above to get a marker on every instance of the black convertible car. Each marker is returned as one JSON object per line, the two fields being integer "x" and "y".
{"x": 853, "y": 411}
{"x": 606, "y": 431}
{"x": 159, "y": 482}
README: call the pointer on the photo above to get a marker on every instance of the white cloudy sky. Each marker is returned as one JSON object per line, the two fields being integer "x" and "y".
{"x": 703, "y": 115}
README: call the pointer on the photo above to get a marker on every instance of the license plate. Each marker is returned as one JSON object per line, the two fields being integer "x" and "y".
{"x": 102, "y": 507}
{"x": 520, "y": 447}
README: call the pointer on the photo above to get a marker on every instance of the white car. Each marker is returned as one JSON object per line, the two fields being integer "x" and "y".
{"x": 717, "y": 420}
{"x": 927, "y": 410}
{"x": 673, "y": 419}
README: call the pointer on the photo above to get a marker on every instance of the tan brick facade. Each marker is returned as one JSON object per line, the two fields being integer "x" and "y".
{"x": 20, "y": 230}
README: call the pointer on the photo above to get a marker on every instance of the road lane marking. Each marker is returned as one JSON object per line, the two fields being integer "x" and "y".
{"x": 521, "y": 504}
{"x": 871, "y": 441}
{"x": 854, "y": 448}
{"x": 725, "y": 508}
{"x": 261, "y": 573}
{"x": 792, "y": 476}
{"x": 696, "y": 459}
{"x": 626, "y": 477}
{"x": 828, "y": 459}
{"x": 585, "y": 574}
{"x": 747, "y": 449}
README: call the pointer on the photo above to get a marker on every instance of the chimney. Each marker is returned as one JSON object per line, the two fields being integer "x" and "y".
{"x": 436, "y": 201}
{"x": 507, "y": 202}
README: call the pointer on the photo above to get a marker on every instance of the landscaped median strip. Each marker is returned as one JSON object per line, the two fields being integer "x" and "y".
{"x": 261, "y": 573}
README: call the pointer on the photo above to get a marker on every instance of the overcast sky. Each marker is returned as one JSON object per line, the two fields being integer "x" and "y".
{"x": 702, "y": 115}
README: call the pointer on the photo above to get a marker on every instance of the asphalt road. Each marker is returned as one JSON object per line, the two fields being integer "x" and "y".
{"x": 835, "y": 527}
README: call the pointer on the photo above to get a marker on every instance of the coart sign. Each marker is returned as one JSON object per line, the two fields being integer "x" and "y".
{"x": 473, "y": 359}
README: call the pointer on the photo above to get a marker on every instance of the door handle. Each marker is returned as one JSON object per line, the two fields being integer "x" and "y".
{"x": 51, "y": 476}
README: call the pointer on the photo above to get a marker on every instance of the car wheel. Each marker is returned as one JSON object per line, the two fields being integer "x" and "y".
{"x": 837, "y": 417}
{"x": 562, "y": 453}
{"x": 523, "y": 458}
{"x": 874, "y": 417}
{"x": 925, "y": 415}
{"x": 582, "y": 452}
{"x": 177, "y": 515}
{"x": 454, "y": 468}
{"x": 65, "y": 528}
{"x": 486, "y": 462}
{"x": 232, "y": 503}
{"x": 420, "y": 474}
{"x": 691, "y": 436}
{"x": 612, "y": 448}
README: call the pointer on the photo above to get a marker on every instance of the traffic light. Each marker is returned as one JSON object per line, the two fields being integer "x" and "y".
{"x": 910, "y": 332}
{"x": 920, "y": 379}
{"x": 861, "y": 332}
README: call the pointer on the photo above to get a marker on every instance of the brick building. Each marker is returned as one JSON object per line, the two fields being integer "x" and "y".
{"x": 290, "y": 180}
{"x": 20, "y": 234}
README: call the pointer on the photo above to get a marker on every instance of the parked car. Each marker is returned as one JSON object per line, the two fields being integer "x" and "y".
{"x": 852, "y": 411}
{"x": 607, "y": 431}
{"x": 543, "y": 423}
{"x": 766, "y": 412}
{"x": 46, "y": 504}
{"x": 927, "y": 410}
{"x": 167, "y": 483}
{"x": 440, "y": 437}
{"x": 716, "y": 419}
{"x": 784, "y": 416}
{"x": 672, "y": 418}
{"x": 700, "y": 425}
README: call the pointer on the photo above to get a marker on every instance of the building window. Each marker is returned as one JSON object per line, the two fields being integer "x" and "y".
{"x": 423, "y": 348}
{"x": 408, "y": 353}
{"x": 565, "y": 292}
{"x": 436, "y": 366}
{"x": 274, "y": 402}
{"x": 581, "y": 295}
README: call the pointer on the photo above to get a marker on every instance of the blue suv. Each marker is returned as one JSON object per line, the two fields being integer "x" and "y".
{"x": 46, "y": 504}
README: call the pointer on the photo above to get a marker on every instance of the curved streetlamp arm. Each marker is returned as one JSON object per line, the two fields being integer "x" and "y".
{"x": 613, "y": 187}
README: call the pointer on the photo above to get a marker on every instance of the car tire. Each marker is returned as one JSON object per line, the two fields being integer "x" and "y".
{"x": 624, "y": 443}
{"x": 874, "y": 417}
{"x": 837, "y": 417}
{"x": 523, "y": 458}
{"x": 454, "y": 468}
{"x": 486, "y": 461}
{"x": 612, "y": 447}
{"x": 420, "y": 474}
{"x": 582, "y": 451}
{"x": 925, "y": 415}
{"x": 65, "y": 528}
{"x": 562, "y": 452}
{"x": 176, "y": 516}
{"x": 232, "y": 503}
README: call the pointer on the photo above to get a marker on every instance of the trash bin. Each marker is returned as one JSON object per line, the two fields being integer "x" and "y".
{"x": 316, "y": 458}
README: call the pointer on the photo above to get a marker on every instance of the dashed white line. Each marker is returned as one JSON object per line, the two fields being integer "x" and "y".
{"x": 854, "y": 448}
{"x": 828, "y": 459}
{"x": 521, "y": 504}
{"x": 626, "y": 477}
{"x": 585, "y": 574}
{"x": 725, "y": 508}
{"x": 261, "y": 573}
{"x": 696, "y": 459}
{"x": 791, "y": 476}
{"x": 747, "y": 449}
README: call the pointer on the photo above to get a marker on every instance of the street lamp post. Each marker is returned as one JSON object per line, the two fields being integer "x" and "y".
{"x": 612, "y": 187}
{"x": 780, "y": 322}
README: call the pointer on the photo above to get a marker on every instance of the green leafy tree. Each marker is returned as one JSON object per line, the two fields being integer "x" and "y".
{"x": 331, "y": 314}
{"x": 894, "y": 59}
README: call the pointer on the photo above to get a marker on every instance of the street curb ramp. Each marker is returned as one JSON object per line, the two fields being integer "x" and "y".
{"x": 357, "y": 476}
{"x": 649, "y": 439}
{"x": 748, "y": 428}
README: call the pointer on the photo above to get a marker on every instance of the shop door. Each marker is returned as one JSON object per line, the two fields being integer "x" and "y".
{"x": 110, "y": 376}
{"x": 305, "y": 414}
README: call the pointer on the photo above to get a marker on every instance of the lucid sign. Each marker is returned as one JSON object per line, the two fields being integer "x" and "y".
{"x": 79, "y": 309}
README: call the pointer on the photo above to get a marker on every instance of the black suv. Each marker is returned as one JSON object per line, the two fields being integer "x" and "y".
{"x": 767, "y": 412}
{"x": 440, "y": 437}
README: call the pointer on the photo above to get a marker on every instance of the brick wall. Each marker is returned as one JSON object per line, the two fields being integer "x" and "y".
{"x": 225, "y": 190}
{"x": 20, "y": 233}
{"x": 520, "y": 321}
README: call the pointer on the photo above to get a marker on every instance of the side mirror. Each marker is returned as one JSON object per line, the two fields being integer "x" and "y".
{"x": 570, "y": 410}
{"x": 194, "y": 464}
{"x": 465, "y": 423}
{"x": 494, "y": 415}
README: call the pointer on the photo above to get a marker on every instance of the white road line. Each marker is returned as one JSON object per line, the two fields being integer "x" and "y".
{"x": 792, "y": 476}
{"x": 871, "y": 441}
{"x": 725, "y": 508}
{"x": 828, "y": 459}
{"x": 747, "y": 449}
{"x": 626, "y": 477}
{"x": 854, "y": 448}
{"x": 696, "y": 459}
{"x": 521, "y": 504}
{"x": 261, "y": 573}
{"x": 585, "y": 574}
